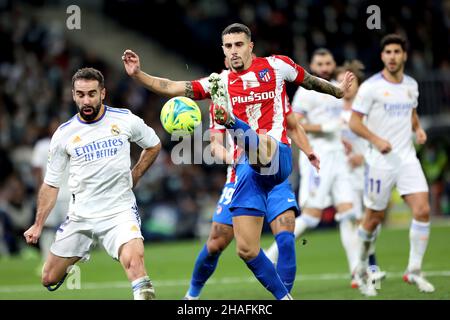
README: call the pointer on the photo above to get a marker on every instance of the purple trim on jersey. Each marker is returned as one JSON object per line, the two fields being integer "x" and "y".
{"x": 95, "y": 121}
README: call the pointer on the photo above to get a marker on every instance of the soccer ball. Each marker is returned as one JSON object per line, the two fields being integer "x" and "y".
{"x": 181, "y": 115}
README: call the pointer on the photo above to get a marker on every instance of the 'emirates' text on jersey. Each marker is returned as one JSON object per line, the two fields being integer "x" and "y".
{"x": 98, "y": 154}
{"x": 388, "y": 107}
{"x": 258, "y": 94}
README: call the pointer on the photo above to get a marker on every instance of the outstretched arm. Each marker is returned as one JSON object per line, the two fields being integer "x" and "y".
{"x": 45, "y": 203}
{"x": 311, "y": 82}
{"x": 160, "y": 86}
{"x": 298, "y": 135}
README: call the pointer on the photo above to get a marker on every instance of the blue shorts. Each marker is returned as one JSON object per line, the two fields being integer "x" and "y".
{"x": 253, "y": 184}
{"x": 280, "y": 199}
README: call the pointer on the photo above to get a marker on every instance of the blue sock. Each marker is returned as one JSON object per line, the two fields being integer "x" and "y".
{"x": 372, "y": 260}
{"x": 286, "y": 265}
{"x": 245, "y": 135}
{"x": 265, "y": 272}
{"x": 204, "y": 267}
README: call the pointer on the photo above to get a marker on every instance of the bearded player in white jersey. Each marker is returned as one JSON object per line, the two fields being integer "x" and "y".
{"x": 95, "y": 144}
{"x": 389, "y": 99}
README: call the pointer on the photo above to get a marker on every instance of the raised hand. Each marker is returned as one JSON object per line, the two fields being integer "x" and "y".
{"x": 346, "y": 82}
{"x": 131, "y": 62}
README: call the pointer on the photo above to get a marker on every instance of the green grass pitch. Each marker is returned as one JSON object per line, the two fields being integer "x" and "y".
{"x": 322, "y": 271}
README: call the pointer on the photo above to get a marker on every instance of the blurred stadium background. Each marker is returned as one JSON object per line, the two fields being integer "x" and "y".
{"x": 181, "y": 40}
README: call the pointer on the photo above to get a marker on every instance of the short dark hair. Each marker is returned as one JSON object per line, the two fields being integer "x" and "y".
{"x": 354, "y": 66}
{"x": 394, "y": 38}
{"x": 321, "y": 52}
{"x": 237, "y": 28}
{"x": 89, "y": 74}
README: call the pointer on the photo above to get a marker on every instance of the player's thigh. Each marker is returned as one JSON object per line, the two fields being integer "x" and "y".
{"x": 411, "y": 180}
{"x": 341, "y": 188}
{"x": 247, "y": 232}
{"x": 73, "y": 239}
{"x": 319, "y": 186}
{"x": 116, "y": 231}
{"x": 378, "y": 184}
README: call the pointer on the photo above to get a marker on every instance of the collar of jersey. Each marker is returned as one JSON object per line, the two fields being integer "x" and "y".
{"x": 95, "y": 121}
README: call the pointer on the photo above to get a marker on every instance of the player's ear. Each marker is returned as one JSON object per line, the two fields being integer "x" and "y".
{"x": 405, "y": 56}
{"x": 103, "y": 93}
{"x": 251, "y": 45}
{"x": 73, "y": 95}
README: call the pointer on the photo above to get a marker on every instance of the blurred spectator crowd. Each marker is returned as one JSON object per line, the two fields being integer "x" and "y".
{"x": 37, "y": 63}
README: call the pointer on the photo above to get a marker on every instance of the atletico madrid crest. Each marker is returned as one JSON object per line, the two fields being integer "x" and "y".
{"x": 264, "y": 75}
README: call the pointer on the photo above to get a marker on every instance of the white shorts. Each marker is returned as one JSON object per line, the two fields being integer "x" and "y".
{"x": 77, "y": 238}
{"x": 378, "y": 183}
{"x": 358, "y": 207}
{"x": 331, "y": 186}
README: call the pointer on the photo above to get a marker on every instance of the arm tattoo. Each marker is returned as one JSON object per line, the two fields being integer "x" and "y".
{"x": 188, "y": 91}
{"x": 163, "y": 84}
{"x": 311, "y": 82}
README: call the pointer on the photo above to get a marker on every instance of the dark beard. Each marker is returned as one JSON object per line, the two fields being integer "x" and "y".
{"x": 90, "y": 117}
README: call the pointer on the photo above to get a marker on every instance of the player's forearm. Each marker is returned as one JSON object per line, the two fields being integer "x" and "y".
{"x": 312, "y": 128}
{"x": 164, "y": 87}
{"x": 300, "y": 139}
{"x": 46, "y": 201}
{"x": 415, "y": 121}
{"x": 146, "y": 159}
{"x": 357, "y": 126}
{"x": 311, "y": 82}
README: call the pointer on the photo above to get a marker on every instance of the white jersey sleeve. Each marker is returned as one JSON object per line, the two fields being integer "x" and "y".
{"x": 364, "y": 99}
{"x": 39, "y": 157}
{"x": 58, "y": 159}
{"x": 141, "y": 134}
{"x": 302, "y": 101}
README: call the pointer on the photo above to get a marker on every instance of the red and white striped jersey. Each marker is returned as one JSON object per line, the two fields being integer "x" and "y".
{"x": 258, "y": 94}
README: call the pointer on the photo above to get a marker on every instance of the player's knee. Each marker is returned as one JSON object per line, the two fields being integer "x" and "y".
{"x": 216, "y": 246}
{"x": 49, "y": 278}
{"x": 422, "y": 212}
{"x": 247, "y": 253}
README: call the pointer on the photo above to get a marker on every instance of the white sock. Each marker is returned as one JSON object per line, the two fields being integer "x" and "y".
{"x": 419, "y": 233}
{"x": 143, "y": 289}
{"x": 349, "y": 239}
{"x": 272, "y": 252}
{"x": 304, "y": 222}
{"x": 287, "y": 297}
{"x": 365, "y": 239}
{"x": 372, "y": 246}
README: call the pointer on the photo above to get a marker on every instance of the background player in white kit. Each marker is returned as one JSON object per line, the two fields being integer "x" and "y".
{"x": 58, "y": 214}
{"x": 332, "y": 186}
{"x": 389, "y": 99}
{"x": 95, "y": 144}
{"x": 355, "y": 149}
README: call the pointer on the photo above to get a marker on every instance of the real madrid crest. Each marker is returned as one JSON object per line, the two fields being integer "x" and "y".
{"x": 115, "y": 130}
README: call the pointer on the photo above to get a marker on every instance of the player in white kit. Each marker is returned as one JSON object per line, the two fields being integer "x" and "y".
{"x": 332, "y": 185}
{"x": 95, "y": 144}
{"x": 355, "y": 149}
{"x": 389, "y": 100}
